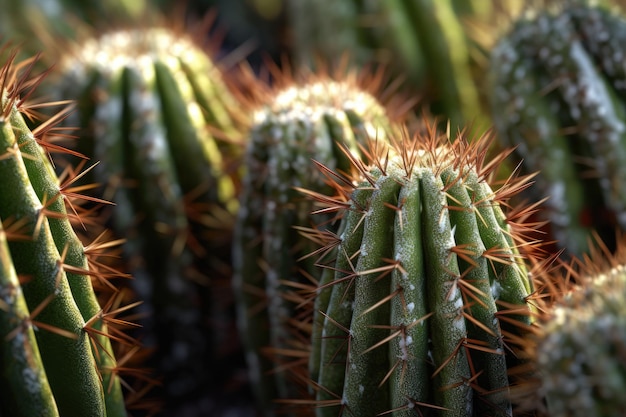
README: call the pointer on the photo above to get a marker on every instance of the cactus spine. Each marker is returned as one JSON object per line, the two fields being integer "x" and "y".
{"x": 302, "y": 122}
{"x": 424, "y": 288}
{"x": 44, "y": 250}
{"x": 555, "y": 95}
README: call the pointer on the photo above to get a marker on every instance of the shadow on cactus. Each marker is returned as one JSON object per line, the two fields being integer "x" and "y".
{"x": 424, "y": 293}
{"x": 56, "y": 341}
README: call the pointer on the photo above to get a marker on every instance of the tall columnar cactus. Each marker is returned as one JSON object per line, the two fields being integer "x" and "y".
{"x": 423, "y": 41}
{"x": 557, "y": 82}
{"x": 424, "y": 288}
{"x": 300, "y": 123}
{"x": 155, "y": 112}
{"x": 57, "y": 357}
{"x": 580, "y": 348}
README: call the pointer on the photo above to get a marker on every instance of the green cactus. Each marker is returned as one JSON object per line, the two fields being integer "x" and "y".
{"x": 54, "y": 277}
{"x": 155, "y": 111}
{"x": 423, "y": 41}
{"x": 580, "y": 349}
{"x": 424, "y": 288}
{"x": 555, "y": 94}
{"x": 301, "y": 122}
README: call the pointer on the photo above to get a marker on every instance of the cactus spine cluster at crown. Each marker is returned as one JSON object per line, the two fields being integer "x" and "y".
{"x": 297, "y": 124}
{"x": 153, "y": 109}
{"x": 556, "y": 94}
{"x": 423, "y": 295}
{"x": 68, "y": 368}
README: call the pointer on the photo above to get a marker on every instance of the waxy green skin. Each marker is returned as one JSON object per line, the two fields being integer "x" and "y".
{"x": 556, "y": 88}
{"x": 380, "y": 337}
{"x": 580, "y": 350}
{"x": 303, "y": 123}
{"x": 76, "y": 373}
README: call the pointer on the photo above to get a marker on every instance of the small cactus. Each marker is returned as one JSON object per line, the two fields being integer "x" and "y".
{"x": 301, "y": 122}
{"x": 46, "y": 282}
{"x": 424, "y": 287}
{"x": 556, "y": 83}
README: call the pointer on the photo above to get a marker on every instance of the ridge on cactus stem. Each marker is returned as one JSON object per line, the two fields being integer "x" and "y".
{"x": 48, "y": 275}
{"x": 556, "y": 87}
{"x": 155, "y": 110}
{"x": 303, "y": 117}
{"x": 578, "y": 349}
{"x": 423, "y": 297}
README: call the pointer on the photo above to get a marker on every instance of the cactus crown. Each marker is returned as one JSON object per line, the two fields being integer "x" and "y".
{"x": 424, "y": 289}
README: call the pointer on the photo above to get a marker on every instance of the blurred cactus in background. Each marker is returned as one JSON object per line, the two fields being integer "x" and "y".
{"x": 156, "y": 113}
{"x": 556, "y": 95}
{"x": 579, "y": 348}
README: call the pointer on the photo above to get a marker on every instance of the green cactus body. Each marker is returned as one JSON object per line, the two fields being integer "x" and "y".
{"x": 580, "y": 349}
{"x": 302, "y": 123}
{"x": 58, "y": 285}
{"x": 420, "y": 40}
{"x": 556, "y": 95}
{"x": 151, "y": 104}
{"x": 409, "y": 312}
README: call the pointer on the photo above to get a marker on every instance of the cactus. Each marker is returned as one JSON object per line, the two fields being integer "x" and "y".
{"x": 300, "y": 122}
{"x": 423, "y": 41}
{"x": 579, "y": 348}
{"x": 424, "y": 285}
{"x": 154, "y": 110}
{"x": 69, "y": 367}
{"x": 555, "y": 94}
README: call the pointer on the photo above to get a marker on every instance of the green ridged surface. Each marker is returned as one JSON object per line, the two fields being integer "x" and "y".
{"x": 581, "y": 349}
{"x": 31, "y": 198}
{"x": 301, "y": 124}
{"x": 556, "y": 95}
{"x": 151, "y": 105}
{"x": 398, "y": 312}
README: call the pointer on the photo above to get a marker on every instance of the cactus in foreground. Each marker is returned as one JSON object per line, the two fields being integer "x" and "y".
{"x": 155, "y": 112}
{"x": 557, "y": 81}
{"x": 305, "y": 121}
{"x": 579, "y": 350}
{"x": 424, "y": 288}
{"x": 46, "y": 283}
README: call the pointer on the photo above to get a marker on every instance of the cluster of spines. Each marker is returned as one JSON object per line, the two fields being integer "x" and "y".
{"x": 45, "y": 263}
{"x": 423, "y": 295}
{"x": 555, "y": 95}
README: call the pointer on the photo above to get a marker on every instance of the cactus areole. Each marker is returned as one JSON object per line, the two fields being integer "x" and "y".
{"x": 424, "y": 286}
